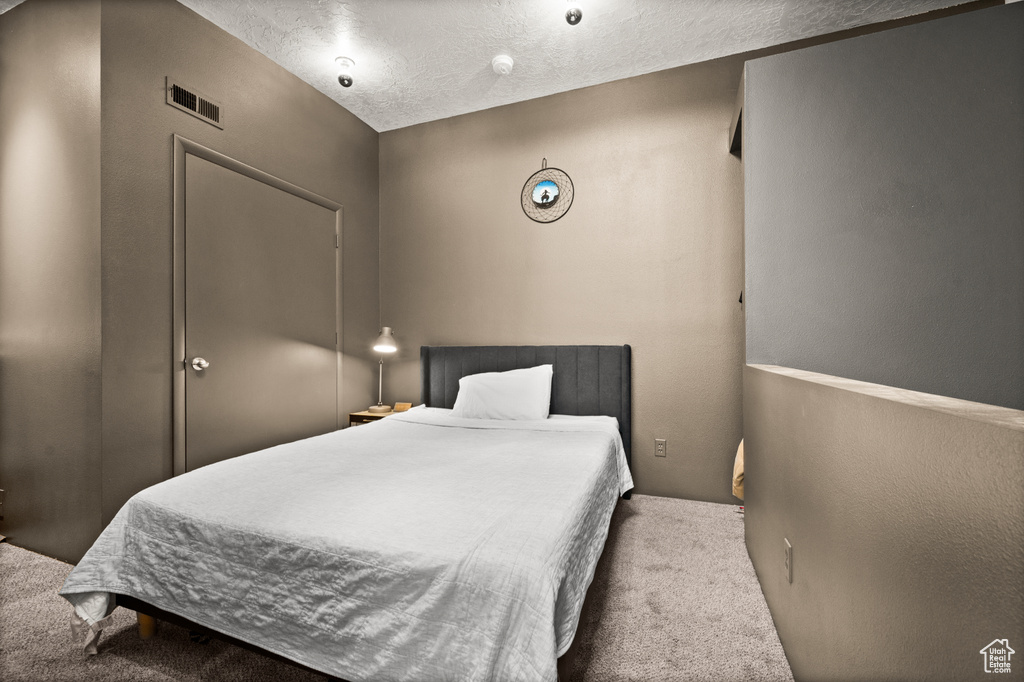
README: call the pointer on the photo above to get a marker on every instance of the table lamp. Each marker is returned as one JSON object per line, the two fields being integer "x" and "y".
{"x": 385, "y": 343}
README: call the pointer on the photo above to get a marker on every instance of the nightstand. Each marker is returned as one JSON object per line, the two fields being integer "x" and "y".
{"x": 364, "y": 417}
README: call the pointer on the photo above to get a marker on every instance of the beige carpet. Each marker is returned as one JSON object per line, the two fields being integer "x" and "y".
{"x": 674, "y": 598}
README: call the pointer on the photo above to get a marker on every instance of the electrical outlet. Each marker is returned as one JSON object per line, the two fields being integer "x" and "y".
{"x": 660, "y": 447}
{"x": 789, "y": 561}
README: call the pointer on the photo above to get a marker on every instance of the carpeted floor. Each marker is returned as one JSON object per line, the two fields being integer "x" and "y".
{"x": 674, "y": 598}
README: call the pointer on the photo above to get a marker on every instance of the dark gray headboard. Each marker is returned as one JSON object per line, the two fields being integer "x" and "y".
{"x": 587, "y": 379}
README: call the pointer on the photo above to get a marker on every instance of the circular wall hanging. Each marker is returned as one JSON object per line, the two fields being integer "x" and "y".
{"x": 547, "y": 194}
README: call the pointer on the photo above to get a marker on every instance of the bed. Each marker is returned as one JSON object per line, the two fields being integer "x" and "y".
{"x": 421, "y": 546}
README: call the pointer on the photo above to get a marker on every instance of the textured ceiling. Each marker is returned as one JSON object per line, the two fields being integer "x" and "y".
{"x": 422, "y": 60}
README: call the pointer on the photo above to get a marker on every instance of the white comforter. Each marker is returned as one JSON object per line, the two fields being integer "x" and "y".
{"x": 419, "y": 547}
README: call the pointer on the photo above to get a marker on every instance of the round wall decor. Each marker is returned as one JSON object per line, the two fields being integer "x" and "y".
{"x": 547, "y": 194}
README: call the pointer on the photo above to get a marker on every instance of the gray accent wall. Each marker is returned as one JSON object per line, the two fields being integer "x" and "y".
{"x": 884, "y": 209}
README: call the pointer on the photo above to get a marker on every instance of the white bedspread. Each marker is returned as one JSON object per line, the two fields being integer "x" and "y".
{"x": 419, "y": 547}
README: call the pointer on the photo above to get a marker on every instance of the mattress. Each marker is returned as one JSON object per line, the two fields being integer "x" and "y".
{"x": 421, "y": 546}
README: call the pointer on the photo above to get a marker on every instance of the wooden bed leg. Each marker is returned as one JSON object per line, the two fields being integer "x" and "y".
{"x": 147, "y": 625}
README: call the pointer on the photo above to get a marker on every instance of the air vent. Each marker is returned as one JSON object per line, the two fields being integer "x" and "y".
{"x": 191, "y": 102}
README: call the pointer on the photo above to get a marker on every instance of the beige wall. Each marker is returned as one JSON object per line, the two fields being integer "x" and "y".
{"x": 86, "y": 240}
{"x": 904, "y": 513}
{"x": 650, "y": 254}
{"x": 273, "y": 122}
{"x": 50, "y": 274}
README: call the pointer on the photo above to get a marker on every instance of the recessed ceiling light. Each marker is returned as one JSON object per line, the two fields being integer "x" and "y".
{"x": 344, "y": 71}
{"x": 574, "y": 13}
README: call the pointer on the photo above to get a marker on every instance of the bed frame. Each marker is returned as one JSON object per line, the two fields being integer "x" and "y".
{"x": 588, "y": 380}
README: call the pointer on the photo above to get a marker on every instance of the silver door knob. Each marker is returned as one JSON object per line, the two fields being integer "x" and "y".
{"x": 198, "y": 364}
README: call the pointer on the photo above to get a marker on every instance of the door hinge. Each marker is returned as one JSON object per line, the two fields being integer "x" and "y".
{"x": 1, "y": 505}
{"x": 337, "y": 241}
{"x": 335, "y": 339}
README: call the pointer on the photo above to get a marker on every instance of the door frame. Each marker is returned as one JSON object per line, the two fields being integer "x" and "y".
{"x": 183, "y": 146}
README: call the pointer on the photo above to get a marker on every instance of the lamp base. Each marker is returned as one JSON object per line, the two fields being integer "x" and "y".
{"x": 379, "y": 409}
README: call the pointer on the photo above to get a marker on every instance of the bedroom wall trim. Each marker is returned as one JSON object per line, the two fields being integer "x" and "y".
{"x": 181, "y": 147}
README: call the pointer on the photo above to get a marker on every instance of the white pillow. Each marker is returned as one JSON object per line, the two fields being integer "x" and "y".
{"x": 515, "y": 394}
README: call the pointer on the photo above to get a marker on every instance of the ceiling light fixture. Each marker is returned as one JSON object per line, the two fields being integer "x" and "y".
{"x": 574, "y": 14}
{"x": 344, "y": 71}
{"x": 502, "y": 64}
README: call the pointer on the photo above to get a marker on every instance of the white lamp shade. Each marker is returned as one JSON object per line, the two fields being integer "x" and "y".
{"x": 385, "y": 343}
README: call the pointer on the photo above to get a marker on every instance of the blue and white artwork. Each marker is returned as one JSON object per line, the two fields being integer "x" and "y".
{"x": 545, "y": 193}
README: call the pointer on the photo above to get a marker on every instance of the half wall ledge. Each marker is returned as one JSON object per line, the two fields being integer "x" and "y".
{"x": 990, "y": 414}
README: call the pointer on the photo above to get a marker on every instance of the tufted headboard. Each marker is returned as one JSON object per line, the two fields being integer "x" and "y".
{"x": 587, "y": 379}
